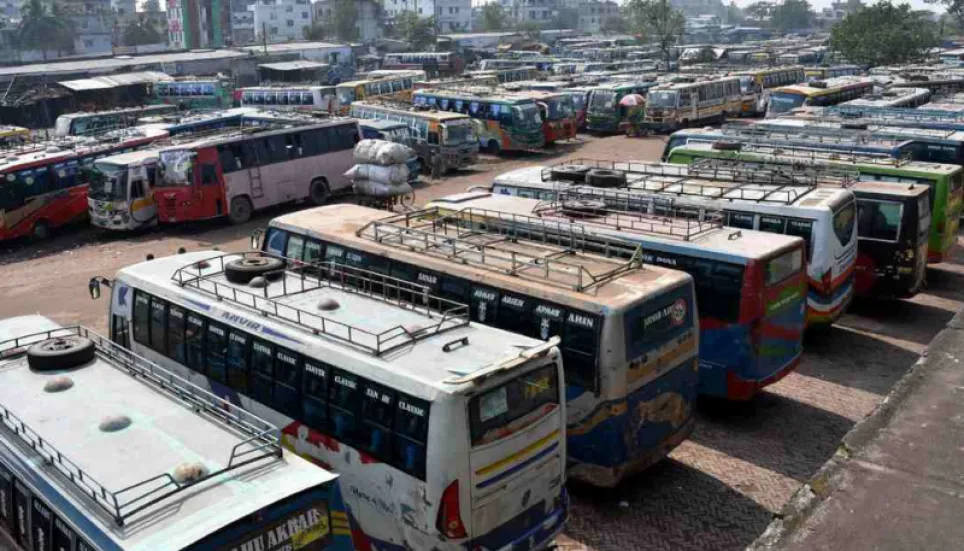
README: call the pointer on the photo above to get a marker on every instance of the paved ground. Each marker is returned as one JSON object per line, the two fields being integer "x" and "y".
{"x": 718, "y": 490}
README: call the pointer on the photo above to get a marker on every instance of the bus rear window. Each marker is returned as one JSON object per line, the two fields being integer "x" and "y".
{"x": 878, "y": 220}
{"x": 843, "y": 223}
{"x": 657, "y": 322}
{"x": 504, "y": 410}
{"x": 780, "y": 268}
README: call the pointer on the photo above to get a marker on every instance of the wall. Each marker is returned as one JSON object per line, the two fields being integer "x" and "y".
{"x": 283, "y": 20}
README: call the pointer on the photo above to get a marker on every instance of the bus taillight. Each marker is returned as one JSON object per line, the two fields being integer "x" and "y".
{"x": 449, "y": 521}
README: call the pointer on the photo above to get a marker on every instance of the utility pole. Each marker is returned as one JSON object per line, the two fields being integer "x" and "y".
{"x": 264, "y": 36}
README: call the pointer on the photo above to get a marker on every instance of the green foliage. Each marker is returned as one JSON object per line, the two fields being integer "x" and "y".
{"x": 884, "y": 34}
{"x": 657, "y": 21}
{"x": 44, "y": 26}
{"x": 733, "y": 14}
{"x": 343, "y": 16}
{"x": 141, "y": 32}
{"x": 418, "y": 32}
{"x": 493, "y": 18}
{"x": 757, "y": 10}
{"x": 791, "y": 15}
{"x": 317, "y": 31}
{"x": 614, "y": 25}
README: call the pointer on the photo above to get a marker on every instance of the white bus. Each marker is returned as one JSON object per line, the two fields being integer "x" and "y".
{"x": 824, "y": 217}
{"x": 94, "y": 122}
{"x": 445, "y": 434}
{"x": 302, "y": 98}
{"x": 629, "y": 338}
{"x": 673, "y": 106}
{"x": 120, "y": 195}
{"x": 102, "y": 450}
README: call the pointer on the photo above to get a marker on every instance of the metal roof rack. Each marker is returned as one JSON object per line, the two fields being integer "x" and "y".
{"x": 889, "y": 112}
{"x": 629, "y": 167}
{"x": 632, "y": 212}
{"x": 449, "y": 314}
{"x": 821, "y": 135}
{"x": 795, "y": 174}
{"x": 814, "y": 153}
{"x": 512, "y": 244}
{"x": 262, "y": 440}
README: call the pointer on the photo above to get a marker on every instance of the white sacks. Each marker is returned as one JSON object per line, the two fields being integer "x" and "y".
{"x": 392, "y": 175}
{"x": 380, "y": 152}
{"x": 380, "y": 190}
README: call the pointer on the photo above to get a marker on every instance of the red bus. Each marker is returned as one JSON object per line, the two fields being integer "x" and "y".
{"x": 235, "y": 173}
{"x": 44, "y": 185}
{"x": 558, "y": 111}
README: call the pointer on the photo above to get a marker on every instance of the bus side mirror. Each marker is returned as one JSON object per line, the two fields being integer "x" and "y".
{"x": 93, "y": 286}
{"x": 256, "y": 237}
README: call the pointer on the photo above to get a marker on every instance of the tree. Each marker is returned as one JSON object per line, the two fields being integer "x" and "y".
{"x": 418, "y": 32}
{"x": 566, "y": 18}
{"x": 493, "y": 18}
{"x": 758, "y": 10}
{"x": 44, "y": 26}
{"x": 342, "y": 26}
{"x": 316, "y": 32}
{"x": 884, "y": 34}
{"x": 791, "y": 15}
{"x": 141, "y": 32}
{"x": 658, "y": 21}
{"x": 613, "y": 25}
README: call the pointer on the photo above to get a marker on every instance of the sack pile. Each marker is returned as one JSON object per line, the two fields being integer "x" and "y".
{"x": 381, "y": 169}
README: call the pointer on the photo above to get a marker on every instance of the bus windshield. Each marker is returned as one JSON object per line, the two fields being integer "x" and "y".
{"x": 844, "y": 219}
{"x": 108, "y": 182}
{"x": 746, "y": 83}
{"x": 176, "y": 168}
{"x": 526, "y": 116}
{"x": 345, "y": 95}
{"x": 509, "y": 408}
{"x": 456, "y": 134}
{"x": 601, "y": 99}
{"x": 558, "y": 108}
{"x": 782, "y": 102}
{"x": 780, "y": 268}
{"x": 662, "y": 98}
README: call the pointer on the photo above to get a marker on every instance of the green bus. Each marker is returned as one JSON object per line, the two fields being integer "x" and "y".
{"x": 944, "y": 181}
{"x": 206, "y": 93}
{"x": 603, "y": 111}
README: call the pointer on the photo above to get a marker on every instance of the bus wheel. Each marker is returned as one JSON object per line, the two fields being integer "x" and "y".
{"x": 240, "y": 210}
{"x": 41, "y": 231}
{"x": 60, "y": 353}
{"x": 243, "y": 270}
{"x": 318, "y": 192}
{"x": 493, "y": 147}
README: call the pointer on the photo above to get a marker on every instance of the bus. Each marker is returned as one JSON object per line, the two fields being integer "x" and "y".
{"x": 457, "y": 82}
{"x": 751, "y": 286}
{"x": 580, "y": 103}
{"x": 120, "y": 195}
{"x": 673, "y": 106}
{"x": 818, "y": 93}
{"x": 823, "y": 217}
{"x": 756, "y": 85}
{"x": 204, "y": 93}
{"x": 558, "y": 114}
{"x": 294, "y": 97}
{"x": 440, "y": 138}
{"x": 160, "y": 463}
{"x": 235, "y": 173}
{"x": 433, "y": 63}
{"x": 945, "y": 182}
{"x": 503, "y": 122}
{"x": 13, "y": 135}
{"x": 507, "y": 74}
{"x": 46, "y": 188}
{"x": 893, "y": 98}
{"x": 629, "y": 340}
{"x": 398, "y": 87}
{"x": 604, "y": 113}
{"x": 834, "y": 71}
{"x": 445, "y": 434}
{"x": 95, "y": 122}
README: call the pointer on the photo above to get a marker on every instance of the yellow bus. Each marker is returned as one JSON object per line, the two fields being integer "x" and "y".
{"x": 398, "y": 86}
{"x": 13, "y": 135}
{"x": 819, "y": 93}
{"x": 674, "y": 106}
{"x": 756, "y": 85}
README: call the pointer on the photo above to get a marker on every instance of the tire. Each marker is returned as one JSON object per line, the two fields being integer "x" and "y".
{"x": 41, "y": 231}
{"x": 724, "y": 145}
{"x": 318, "y": 193}
{"x": 243, "y": 270}
{"x": 570, "y": 173}
{"x": 60, "y": 353}
{"x": 599, "y": 177}
{"x": 240, "y": 210}
{"x": 493, "y": 148}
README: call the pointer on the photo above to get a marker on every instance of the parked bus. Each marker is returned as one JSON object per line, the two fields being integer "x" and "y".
{"x": 673, "y": 106}
{"x": 235, "y": 173}
{"x": 46, "y": 188}
{"x": 751, "y": 286}
{"x": 945, "y": 182}
{"x": 629, "y": 339}
{"x": 580, "y": 103}
{"x": 301, "y": 98}
{"x": 558, "y": 114}
{"x": 893, "y": 97}
{"x": 823, "y": 217}
{"x": 193, "y": 473}
{"x": 120, "y": 195}
{"x": 605, "y": 114}
{"x": 13, "y": 135}
{"x": 443, "y": 141}
{"x": 834, "y": 71}
{"x": 397, "y": 87}
{"x": 819, "y": 93}
{"x": 433, "y": 63}
{"x": 756, "y": 85}
{"x": 95, "y": 122}
{"x": 507, "y": 74}
{"x": 457, "y": 82}
{"x": 205, "y": 93}
{"x": 445, "y": 434}
{"x": 503, "y": 122}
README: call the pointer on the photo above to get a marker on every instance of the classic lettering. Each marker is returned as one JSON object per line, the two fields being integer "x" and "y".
{"x": 346, "y": 382}
{"x": 316, "y": 371}
{"x": 414, "y": 410}
{"x": 287, "y": 359}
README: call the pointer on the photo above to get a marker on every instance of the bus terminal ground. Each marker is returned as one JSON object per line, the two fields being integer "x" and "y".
{"x": 817, "y": 451}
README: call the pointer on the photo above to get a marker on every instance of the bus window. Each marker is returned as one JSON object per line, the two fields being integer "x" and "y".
{"x": 312, "y": 252}
{"x": 878, "y": 220}
{"x": 772, "y": 224}
{"x": 315, "y": 402}
{"x": 804, "y": 229}
{"x": 377, "y": 411}
{"x": 175, "y": 334}
{"x": 843, "y": 223}
{"x": 504, "y": 410}
{"x": 216, "y": 344}
{"x": 142, "y": 318}
{"x": 295, "y": 248}
{"x": 411, "y": 433}
{"x": 275, "y": 242}
{"x": 783, "y": 266}
{"x": 287, "y": 382}
{"x": 262, "y": 371}
{"x": 194, "y": 342}
{"x": 579, "y": 350}
{"x": 743, "y": 220}
{"x": 237, "y": 360}
{"x": 158, "y": 324}
{"x": 513, "y": 315}
{"x": 344, "y": 406}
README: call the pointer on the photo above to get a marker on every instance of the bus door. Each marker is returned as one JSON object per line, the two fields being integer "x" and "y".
{"x": 208, "y": 182}
{"x": 143, "y": 209}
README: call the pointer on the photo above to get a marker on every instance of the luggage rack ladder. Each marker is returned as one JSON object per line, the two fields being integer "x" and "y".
{"x": 260, "y": 439}
{"x": 444, "y": 314}
{"x": 513, "y": 244}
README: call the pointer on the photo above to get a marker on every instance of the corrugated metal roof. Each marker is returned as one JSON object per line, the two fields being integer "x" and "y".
{"x": 294, "y": 65}
{"x": 119, "y": 63}
{"x": 114, "y": 81}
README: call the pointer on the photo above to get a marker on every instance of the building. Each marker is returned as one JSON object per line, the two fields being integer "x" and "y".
{"x": 368, "y": 22}
{"x": 422, "y": 8}
{"x": 197, "y": 23}
{"x": 453, "y": 15}
{"x": 125, "y": 12}
{"x": 524, "y": 11}
{"x": 93, "y": 21}
{"x": 242, "y": 22}
{"x": 592, "y": 13}
{"x": 281, "y": 20}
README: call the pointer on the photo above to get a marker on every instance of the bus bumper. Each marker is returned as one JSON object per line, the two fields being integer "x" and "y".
{"x": 602, "y": 124}
{"x": 660, "y": 125}
{"x": 739, "y": 389}
{"x": 537, "y": 538}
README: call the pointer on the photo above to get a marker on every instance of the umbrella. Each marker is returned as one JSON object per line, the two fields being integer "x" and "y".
{"x": 632, "y": 100}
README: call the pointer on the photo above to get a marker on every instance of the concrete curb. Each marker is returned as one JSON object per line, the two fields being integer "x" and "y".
{"x": 825, "y": 481}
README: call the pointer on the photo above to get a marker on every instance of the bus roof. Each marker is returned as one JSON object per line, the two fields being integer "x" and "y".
{"x": 407, "y": 109}
{"x": 341, "y": 223}
{"x": 78, "y": 146}
{"x": 165, "y": 433}
{"x": 897, "y": 189}
{"x": 131, "y": 157}
{"x": 284, "y": 122}
{"x": 831, "y": 85}
{"x": 767, "y": 70}
{"x": 477, "y": 92}
{"x": 144, "y": 108}
{"x": 696, "y": 84}
{"x": 403, "y": 346}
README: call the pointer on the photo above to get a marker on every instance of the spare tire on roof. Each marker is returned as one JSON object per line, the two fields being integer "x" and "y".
{"x": 60, "y": 353}
{"x": 570, "y": 173}
{"x": 726, "y": 145}
{"x": 601, "y": 177}
{"x": 853, "y": 125}
{"x": 243, "y": 270}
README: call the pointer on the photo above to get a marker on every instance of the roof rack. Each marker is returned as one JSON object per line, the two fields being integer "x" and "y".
{"x": 801, "y": 154}
{"x": 629, "y": 167}
{"x": 498, "y": 241}
{"x": 300, "y": 279}
{"x": 262, "y": 440}
{"x": 774, "y": 173}
{"x": 632, "y": 212}
{"x": 889, "y": 112}
{"x": 820, "y": 135}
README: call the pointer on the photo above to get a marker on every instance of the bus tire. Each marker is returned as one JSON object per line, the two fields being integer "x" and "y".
{"x": 318, "y": 193}
{"x": 240, "y": 210}
{"x": 60, "y": 353}
{"x": 40, "y": 230}
{"x": 600, "y": 177}
{"x": 243, "y": 270}
{"x": 570, "y": 173}
{"x": 493, "y": 148}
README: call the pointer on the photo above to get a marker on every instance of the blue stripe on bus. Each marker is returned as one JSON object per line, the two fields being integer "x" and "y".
{"x": 518, "y": 467}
